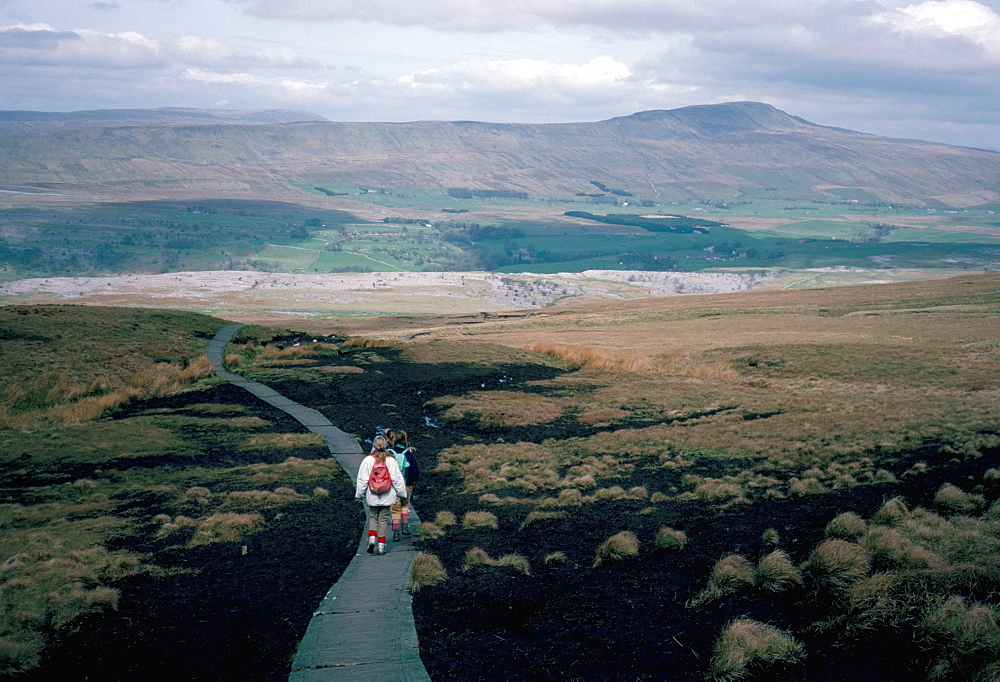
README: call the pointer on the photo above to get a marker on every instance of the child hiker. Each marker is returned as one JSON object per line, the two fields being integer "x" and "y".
{"x": 400, "y": 448}
{"x": 381, "y": 483}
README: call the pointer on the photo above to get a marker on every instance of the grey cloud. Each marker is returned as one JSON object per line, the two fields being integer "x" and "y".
{"x": 16, "y": 37}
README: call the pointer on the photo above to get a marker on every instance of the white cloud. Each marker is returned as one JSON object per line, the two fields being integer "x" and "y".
{"x": 291, "y": 86}
{"x": 210, "y": 52}
{"x": 43, "y": 44}
{"x": 965, "y": 19}
{"x": 522, "y": 74}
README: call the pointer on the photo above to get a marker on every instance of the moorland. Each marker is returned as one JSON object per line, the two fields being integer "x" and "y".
{"x": 806, "y": 480}
{"x": 777, "y": 477}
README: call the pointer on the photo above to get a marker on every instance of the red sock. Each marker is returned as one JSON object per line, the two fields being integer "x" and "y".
{"x": 406, "y": 517}
{"x": 382, "y": 540}
{"x": 395, "y": 524}
{"x": 372, "y": 533}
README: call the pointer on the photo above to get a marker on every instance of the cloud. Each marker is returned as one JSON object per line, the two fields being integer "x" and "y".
{"x": 521, "y": 75}
{"x": 209, "y": 52}
{"x": 43, "y": 44}
{"x": 488, "y": 15}
{"x": 942, "y": 19}
{"x": 289, "y": 86}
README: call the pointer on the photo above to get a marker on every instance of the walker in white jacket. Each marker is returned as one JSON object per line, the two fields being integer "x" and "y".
{"x": 378, "y": 505}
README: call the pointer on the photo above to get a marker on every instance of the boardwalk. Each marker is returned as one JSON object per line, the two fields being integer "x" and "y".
{"x": 363, "y": 629}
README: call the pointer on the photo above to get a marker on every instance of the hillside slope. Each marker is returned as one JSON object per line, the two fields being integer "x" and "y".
{"x": 719, "y": 153}
{"x": 27, "y": 122}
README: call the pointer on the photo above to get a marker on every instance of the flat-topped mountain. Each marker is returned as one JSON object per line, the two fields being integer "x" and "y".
{"x": 721, "y": 152}
{"x": 21, "y": 122}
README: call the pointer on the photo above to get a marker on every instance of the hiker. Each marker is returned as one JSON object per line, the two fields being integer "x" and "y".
{"x": 399, "y": 446}
{"x": 379, "y": 470}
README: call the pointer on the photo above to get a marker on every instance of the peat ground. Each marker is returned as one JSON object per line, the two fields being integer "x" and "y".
{"x": 240, "y": 617}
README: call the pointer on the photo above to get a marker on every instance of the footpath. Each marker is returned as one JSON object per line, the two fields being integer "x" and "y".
{"x": 363, "y": 629}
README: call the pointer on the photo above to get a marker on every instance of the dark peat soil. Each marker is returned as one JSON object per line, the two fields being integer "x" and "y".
{"x": 240, "y": 617}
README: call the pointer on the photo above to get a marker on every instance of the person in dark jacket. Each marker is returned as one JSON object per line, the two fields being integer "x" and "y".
{"x": 399, "y": 447}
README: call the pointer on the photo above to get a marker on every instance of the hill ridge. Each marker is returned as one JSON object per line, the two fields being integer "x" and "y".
{"x": 718, "y": 152}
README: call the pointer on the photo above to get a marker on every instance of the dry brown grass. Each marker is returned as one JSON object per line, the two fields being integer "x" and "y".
{"x": 776, "y": 572}
{"x": 847, "y": 526}
{"x": 670, "y": 538}
{"x": 834, "y": 385}
{"x": 293, "y": 469}
{"x": 426, "y": 571}
{"x": 430, "y": 531}
{"x": 262, "y": 499}
{"x": 677, "y": 362}
{"x": 499, "y": 408}
{"x": 892, "y": 513}
{"x": 729, "y": 574}
{"x": 967, "y": 638}
{"x": 366, "y": 342}
{"x": 48, "y": 585}
{"x": 476, "y": 557}
{"x": 953, "y": 499}
{"x": 746, "y": 644}
{"x": 479, "y": 519}
{"x": 838, "y": 563}
{"x": 539, "y": 515}
{"x": 618, "y": 547}
{"x": 445, "y": 518}
{"x": 283, "y": 441}
{"x": 56, "y": 397}
{"x": 225, "y": 527}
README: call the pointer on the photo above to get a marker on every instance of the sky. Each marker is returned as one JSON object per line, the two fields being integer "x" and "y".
{"x": 919, "y": 70}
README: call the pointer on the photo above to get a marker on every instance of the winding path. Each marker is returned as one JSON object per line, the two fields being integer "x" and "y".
{"x": 363, "y": 629}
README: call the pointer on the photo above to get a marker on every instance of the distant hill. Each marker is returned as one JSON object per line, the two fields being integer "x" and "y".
{"x": 722, "y": 152}
{"x": 21, "y": 122}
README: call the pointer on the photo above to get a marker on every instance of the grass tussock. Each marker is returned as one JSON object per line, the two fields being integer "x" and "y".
{"x": 892, "y": 513}
{"x": 430, "y": 531}
{"x": 847, "y": 526}
{"x": 262, "y": 499}
{"x": 480, "y": 519}
{"x": 555, "y": 558}
{"x": 965, "y": 637}
{"x": 476, "y": 557}
{"x": 676, "y": 362}
{"x": 730, "y": 574}
{"x": 621, "y": 546}
{"x": 292, "y": 470}
{"x": 952, "y": 499}
{"x": 366, "y": 342}
{"x": 777, "y": 573}
{"x": 46, "y": 585}
{"x": 746, "y": 645}
{"x": 426, "y": 571}
{"x": 838, "y": 563}
{"x": 283, "y": 441}
{"x": 500, "y": 408}
{"x": 670, "y": 538}
{"x": 56, "y": 397}
{"x": 225, "y": 527}
{"x": 540, "y": 515}
{"x": 443, "y": 519}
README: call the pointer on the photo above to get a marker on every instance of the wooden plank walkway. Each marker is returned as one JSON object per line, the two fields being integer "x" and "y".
{"x": 363, "y": 629}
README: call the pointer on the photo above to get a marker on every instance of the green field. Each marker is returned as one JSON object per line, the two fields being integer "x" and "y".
{"x": 436, "y": 231}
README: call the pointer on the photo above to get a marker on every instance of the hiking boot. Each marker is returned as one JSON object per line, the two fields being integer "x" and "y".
{"x": 395, "y": 535}
{"x": 381, "y": 548}
{"x": 406, "y": 529}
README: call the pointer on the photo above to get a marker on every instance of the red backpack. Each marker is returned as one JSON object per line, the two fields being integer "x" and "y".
{"x": 379, "y": 480}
